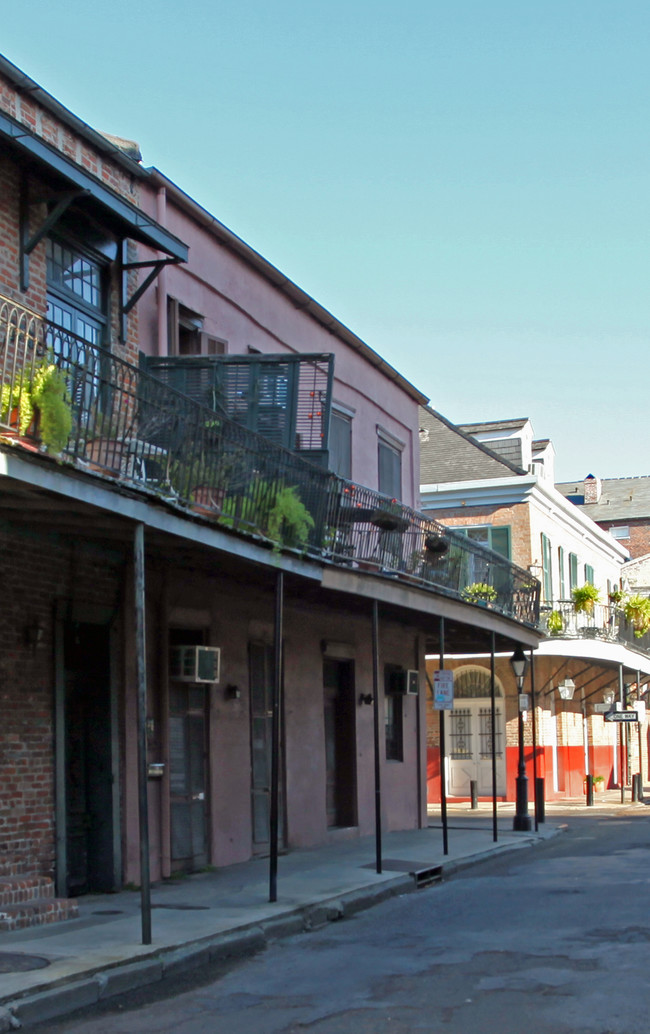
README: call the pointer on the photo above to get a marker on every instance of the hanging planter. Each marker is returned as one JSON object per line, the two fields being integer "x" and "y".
{"x": 584, "y": 598}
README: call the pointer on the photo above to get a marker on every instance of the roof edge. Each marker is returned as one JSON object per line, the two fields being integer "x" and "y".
{"x": 300, "y": 299}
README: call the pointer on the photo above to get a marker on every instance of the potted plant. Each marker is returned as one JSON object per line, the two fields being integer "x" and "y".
{"x": 40, "y": 405}
{"x": 599, "y": 783}
{"x": 554, "y": 623}
{"x": 637, "y": 611}
{"x": 273, "y": 509}
{"x": 616, "y": 597}
{"x": 584, "y": 598}
{"x": 479, "y": 592}
{"x": 51, "y": 399}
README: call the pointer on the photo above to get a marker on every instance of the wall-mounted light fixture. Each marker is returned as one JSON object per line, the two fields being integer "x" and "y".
{"x": 609, "y": 696}
{"x": 232, "y": 692}
{"x": 566, "y": 689}
{"x": 365, "y": 698}
{"x": 33, "y": 634}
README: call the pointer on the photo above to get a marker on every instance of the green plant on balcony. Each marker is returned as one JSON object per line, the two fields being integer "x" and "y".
{"x": 585, "y": 597}
{"x": 616, "y": 597}
{"x": 637, "y": 611}
{"x": 44, "y": 398}
{"x": 479, "y": 592}
{"x": 554, "y": 623}
{"x": 272, "y": 508}
{"x": 51, "y": 397}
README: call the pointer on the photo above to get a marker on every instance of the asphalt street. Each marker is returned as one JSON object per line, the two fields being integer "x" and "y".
{"x": 550, "y": 939}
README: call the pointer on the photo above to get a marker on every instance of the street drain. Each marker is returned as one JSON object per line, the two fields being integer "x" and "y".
{"x": 108, "y": 912}
{"x": 12, "y": 962}
{"x": 185, "y": 908}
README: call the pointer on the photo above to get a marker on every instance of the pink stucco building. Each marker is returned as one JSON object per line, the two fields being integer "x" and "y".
{"x": 219, "y": 616}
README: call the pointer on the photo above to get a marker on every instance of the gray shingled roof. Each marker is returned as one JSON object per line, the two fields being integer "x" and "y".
{"x": 621, "y": 498}
{"x": 448, "y": 453}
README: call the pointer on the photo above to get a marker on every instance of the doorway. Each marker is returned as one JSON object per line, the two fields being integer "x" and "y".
{"x": 469, "y": 734}
{"x": 261, "y": 673}
{"x": 340, "y": 743}
{"x": 88, "y": 759}
{"x": 188, "y": 776}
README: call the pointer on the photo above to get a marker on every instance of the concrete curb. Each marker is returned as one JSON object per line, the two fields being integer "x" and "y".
{"x": 70, "y": 994}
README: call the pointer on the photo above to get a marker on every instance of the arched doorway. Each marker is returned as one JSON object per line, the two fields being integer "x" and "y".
{"x": 469, "y": 734}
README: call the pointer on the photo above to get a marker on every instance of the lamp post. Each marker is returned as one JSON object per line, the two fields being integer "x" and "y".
{"x": 521, "y": 821}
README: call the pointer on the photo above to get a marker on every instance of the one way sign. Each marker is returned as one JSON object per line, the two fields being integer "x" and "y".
{"x": 621, "y": 716}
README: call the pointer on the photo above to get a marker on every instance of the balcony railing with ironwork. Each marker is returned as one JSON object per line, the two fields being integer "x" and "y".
{"x": 606, "y": 622}
{"x": 128, "y": 425}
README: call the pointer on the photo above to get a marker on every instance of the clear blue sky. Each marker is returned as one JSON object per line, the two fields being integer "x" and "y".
{"x": 465, "y": 183}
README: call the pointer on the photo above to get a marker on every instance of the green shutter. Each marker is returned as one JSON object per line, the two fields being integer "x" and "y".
{"x": 500, "y": 541}
{"x": 548, "y": 574}
{"x": 589, "y": 574}
{"x": 573, "y": 571}
{"x": 560, "y": 560}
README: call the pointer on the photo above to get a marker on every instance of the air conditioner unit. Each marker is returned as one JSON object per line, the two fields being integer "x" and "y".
{"x": 404, "y": 683}
{"x": 195, "y": 663}
{"x": 412, "y": 682}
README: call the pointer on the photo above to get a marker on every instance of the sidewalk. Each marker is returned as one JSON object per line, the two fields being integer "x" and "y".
{"x": 48, "y": 971}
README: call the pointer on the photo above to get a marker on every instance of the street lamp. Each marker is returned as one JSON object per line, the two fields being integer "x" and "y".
{"x": 521, "y": 821}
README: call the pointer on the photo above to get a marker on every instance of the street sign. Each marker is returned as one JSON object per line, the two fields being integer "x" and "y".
{"x": 621, "y": 716}
{"x": 443, "y": 690}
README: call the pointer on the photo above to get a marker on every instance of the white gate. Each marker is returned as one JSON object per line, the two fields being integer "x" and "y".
{"x": 469, "y": 735}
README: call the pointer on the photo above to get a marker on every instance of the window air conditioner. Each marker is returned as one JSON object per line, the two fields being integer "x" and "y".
{"x": 195, "y": 663}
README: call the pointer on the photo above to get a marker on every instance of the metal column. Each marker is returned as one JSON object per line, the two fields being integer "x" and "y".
{"x": 443, "y": 751}
{"x": 375, "y": 709}
{"x": 275, "y": 740}
{"x": 141, "y": 679}
{"x": 493, "y": 719}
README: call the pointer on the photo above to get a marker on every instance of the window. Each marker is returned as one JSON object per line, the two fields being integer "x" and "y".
{"x": 340, "y": 461}
{"x": 589, "y": 574}
{"x": 393, "y": 713}
{"x": 573, "y": 571}
{"x": 561, "y": 567}
{"x": 622, "y": 531}
{"x": 546, "y": 568}
{"x": 185, "y": 334}
{"x": 75, "y": 291}
{"x": 390, "y": 464}
{"x": 497, "y": 539}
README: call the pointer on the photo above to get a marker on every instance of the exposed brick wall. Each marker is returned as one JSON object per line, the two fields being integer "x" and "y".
{"x": 39, "y": 121}
{"x": 34, "y": 572}
{"x": 55, "y": 133}
{"x": 639, "y": 540}
{"x": 516, "y": 517}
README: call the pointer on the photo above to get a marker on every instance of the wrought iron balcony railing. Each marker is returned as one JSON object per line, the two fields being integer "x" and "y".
{"x": 128, "y": 425}
{"x": 607, "y": 622}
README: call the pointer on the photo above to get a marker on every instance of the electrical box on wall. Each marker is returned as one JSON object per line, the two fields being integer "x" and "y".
{"x": 195, "y": 663}
{"x": 412, "y": 682}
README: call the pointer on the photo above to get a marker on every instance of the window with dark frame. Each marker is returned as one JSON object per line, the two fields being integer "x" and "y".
{"x": 340, "y": 444}
{"x": 390, "y": 469}
{"x": 185, "y": 333}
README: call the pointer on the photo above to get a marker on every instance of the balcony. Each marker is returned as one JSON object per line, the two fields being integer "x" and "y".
{"x": 128, "y": 426}
{"x": 605, "y": 622}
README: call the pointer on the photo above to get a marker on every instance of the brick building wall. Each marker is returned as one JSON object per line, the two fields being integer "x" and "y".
{"x": 516, "y": 517}
{"x": 35, "y": 571}
{"x": 638, "y": 542}
{"x": 43, "y": 124}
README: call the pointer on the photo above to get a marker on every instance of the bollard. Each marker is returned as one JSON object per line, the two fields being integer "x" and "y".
{"x": 473, "y": 791}
{"x": 636, "y": 779}
{"x": 539, "y": 799}
{"x": 589, "y": 788}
